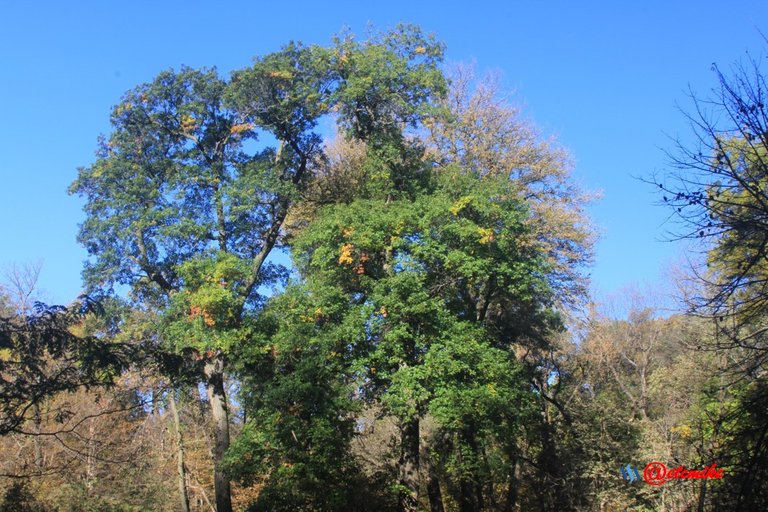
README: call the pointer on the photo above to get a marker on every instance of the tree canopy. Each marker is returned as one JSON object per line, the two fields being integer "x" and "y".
{"x": 431, "y": 345}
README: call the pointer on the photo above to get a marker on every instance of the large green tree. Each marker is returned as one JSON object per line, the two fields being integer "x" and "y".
{"x": 444, "y": 253}
{"x": 185, "y": 214}
{"x": 447, "y": 276}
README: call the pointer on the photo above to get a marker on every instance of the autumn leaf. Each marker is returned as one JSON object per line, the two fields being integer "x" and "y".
{"x": 188, "y": 123}
{"x": 460, "y": 204}
{"x": 240, "y": 128}
{"x": 486, "y": 235}
{"x": 345, "y": 256}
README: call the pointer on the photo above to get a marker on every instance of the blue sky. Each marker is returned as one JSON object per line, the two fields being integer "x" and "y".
{"x": 604, "y": 78}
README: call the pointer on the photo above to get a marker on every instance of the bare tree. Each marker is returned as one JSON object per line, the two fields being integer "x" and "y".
{"x": 21, "y": 285}
{"x": 718, "y": 192}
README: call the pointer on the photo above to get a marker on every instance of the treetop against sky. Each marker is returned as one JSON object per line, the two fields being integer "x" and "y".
{"x": 603, "y": 79}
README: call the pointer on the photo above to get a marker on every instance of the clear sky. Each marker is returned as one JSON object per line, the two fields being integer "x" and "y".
{"x": 603, "y": 78}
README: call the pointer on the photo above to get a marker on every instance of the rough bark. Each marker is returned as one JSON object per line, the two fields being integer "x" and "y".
{"x": 512, "y": 486}
{"x": 217, "y": 398}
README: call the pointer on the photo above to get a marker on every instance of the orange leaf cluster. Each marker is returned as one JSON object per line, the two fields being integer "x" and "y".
{"x": 240, "y": 128}
{"x": 360, "y": 269}
{"x": 197, "y": 311}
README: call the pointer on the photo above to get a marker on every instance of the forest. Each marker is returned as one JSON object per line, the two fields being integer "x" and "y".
{"x": 352, "y": 277}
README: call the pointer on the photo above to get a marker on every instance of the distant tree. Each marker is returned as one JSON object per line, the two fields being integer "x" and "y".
{"x": 481, "y": 132}
{"x": 638, "y": 389}
{"x": 17, "y": 296}
{"x": 21, "y": 286}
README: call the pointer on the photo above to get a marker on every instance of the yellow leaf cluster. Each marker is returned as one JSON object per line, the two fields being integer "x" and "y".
{"x": 420, "y": 50}
{"x": 460, "y": 205}
{"x": 123, "y": 107}
{"x": 486, "y": 235}
{"x": 318, "y": 315}
{"x": 188, "y": 123}
{"x": 287, "y": 75}
{"x": 683, "y": 431}
{"x": 345, "y": 254}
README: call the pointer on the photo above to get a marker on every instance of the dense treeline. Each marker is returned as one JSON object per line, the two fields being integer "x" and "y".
{"x": 422, "y": 351}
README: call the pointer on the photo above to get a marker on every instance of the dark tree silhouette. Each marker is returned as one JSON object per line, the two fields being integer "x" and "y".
{"x": 40, "y": 356}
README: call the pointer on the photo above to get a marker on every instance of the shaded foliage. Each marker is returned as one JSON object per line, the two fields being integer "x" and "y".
{"x": 40, "y": 356}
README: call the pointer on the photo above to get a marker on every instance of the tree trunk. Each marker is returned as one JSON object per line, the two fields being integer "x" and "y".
{"x": 702, "y": 497}
{"x": 38, "y": 429}
{"x": 179, "y": 454}
{"x": 408, "y": 465}
{"x": 512, "y": 485}
{"x": 433, "y": 489}
{"x": 466, "y": 495}
{"x": 470, "y": 488}
{"x": 214, "y": 371}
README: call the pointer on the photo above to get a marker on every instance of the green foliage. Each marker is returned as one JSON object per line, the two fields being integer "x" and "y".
{"x": 481, "y": 400}
{"x": 446, "y": 280}
{"x": 287, "y": 92}
{"x": 299, "y": 393}
{"x": 387, "y": 81}
{"x": 206, "y": 314}
{"x": 741, "y": 434}
{"x": 150, "y": 195}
